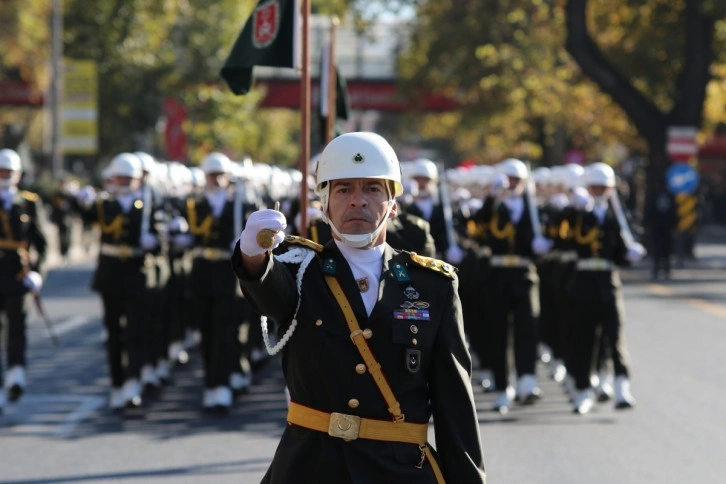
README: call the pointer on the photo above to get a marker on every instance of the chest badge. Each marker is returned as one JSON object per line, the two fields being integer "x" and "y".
{"x": 363, "y": 285}
{"x": 411, "y": 293}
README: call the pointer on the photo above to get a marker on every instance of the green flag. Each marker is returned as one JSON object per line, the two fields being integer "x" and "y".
{"x": 268, "y": 39}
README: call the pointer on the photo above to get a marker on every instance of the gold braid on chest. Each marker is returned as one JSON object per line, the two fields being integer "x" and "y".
{"x": 204, "y": 229}
{"x": 115, "y": 228}
{"x": 507, "y": 232}
{"x": 592, "y": 238}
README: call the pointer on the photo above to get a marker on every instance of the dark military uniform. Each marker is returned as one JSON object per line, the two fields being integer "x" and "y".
{"x": 218, "y": 307}
{"x": 19, "y": 230}
{"x": 422, "y": 354}
{"x": 511, "y": 289}
{"x": 63, "y": 208}
{"x": 595, "y": 295}
{"x": 437, "y": 223}
{"x": 124, "y": 276}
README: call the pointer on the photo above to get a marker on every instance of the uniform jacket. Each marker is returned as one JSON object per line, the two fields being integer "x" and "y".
{"x": 319, "y": 364}
{"x": 437, "y": 225}
{"x": 20, "y": 225}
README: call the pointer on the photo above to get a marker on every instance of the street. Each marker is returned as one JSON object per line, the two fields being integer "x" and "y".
{"x": 62, "y": 430}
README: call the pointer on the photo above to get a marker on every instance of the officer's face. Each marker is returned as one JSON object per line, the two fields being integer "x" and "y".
{"x": 597, "y": 190}
{"x": 357, "y": 205}
{"x": 217, "y": 180}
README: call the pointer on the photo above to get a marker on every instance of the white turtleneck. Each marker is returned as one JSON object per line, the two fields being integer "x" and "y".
{"x": 6, "y": 197}
{"x": 217, "y": 199}
{"x": 365, "y": 263}
{"x": 601, "y": 208}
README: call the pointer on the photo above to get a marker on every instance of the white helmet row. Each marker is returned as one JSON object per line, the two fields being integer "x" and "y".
{"x": 421, "y": 167}
{"x": 126, "y": 164}
{"x": 10, "y": 160}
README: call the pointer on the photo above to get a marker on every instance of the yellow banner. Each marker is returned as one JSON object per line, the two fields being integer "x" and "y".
{"x": 80, "y": 107}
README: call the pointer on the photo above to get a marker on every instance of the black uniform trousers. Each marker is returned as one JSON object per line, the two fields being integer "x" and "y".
{"x": 125, "y": 315}
{"x": 155, "y": 338}
{"x": 217, "y": 309}
{"x": 597, "y": 313}
{"x": 512, "y": 292}
{"x": 15, "y": 308}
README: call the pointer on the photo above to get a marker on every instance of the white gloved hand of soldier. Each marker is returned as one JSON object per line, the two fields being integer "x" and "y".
{"x": 149, "y": 241}
{"x": 86, "y": 196}
{"x": 581, "y": 199}
{"x": 499, "y": 183}
{"x": 33, "y": 281}
{"x": 262, "y": 220}
{"x": 177, "y": 225}
{"x": 541, "y": 245}
{"x": 636, "y": 252}
{"x": 454, "y": 254}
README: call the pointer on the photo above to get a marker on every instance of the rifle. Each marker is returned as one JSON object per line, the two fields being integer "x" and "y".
{"x": 445, "y": 199}
{"x": 625, "y": 232}
{"x": 532, "y": 203}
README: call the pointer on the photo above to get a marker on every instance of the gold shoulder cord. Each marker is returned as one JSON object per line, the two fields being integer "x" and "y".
{"x": 6, "y": 225}
{"x": 205, "y": 228}
{"x": 114, "y": 228}
{"x": 507, "y": 232}
{"x": 374, "y": 368}
{"x": 590, "y": 239}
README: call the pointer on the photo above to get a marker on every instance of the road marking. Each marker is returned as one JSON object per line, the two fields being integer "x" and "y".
{"x": 86, "y": 406}
{"x": 660, "y": 290}
{"x": 69, "y": 324}
{"x": 715, "y": 309}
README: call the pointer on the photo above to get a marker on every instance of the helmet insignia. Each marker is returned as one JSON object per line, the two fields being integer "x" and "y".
{"x": 358, "y": 158}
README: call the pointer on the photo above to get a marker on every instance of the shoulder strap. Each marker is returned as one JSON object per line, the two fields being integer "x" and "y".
{"x": 359, "y": 340}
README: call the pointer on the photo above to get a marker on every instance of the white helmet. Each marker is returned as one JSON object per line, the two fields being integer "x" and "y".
{"x": 148, "y": 165}
{"x": 541, "y": 175}
{"x": 199, "y": 180}
{"x": 216, "y": 163}
{"x": 514, "y": 168}
{"x": 10, "y": 160}
{"x": 572, "y": 176}
{"x": 423, "y": 167}
{"x": 599, "y": 174}
{"x": 126, "y": 164}
{"x": 358, "y": 155}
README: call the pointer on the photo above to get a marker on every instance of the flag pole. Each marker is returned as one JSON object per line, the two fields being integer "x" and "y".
{"x": 305, "y": 117}
{"x": 332, "y": 84}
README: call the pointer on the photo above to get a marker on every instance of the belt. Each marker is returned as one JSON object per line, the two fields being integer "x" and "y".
{"x": 121, "y": 251}
{"x": 509, "y": 261}
{"x": 567, "y": 256}
{"x": 594, "y": 265}
{"x": 351, "y": 427}
{"x": 211, "y": 253}
{"x": 8, "y": 244}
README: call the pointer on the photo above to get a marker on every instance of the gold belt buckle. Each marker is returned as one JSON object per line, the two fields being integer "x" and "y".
{"x": 124, "y": 251}
{"x": 344, "y": 426}
{"x": 207, "y": 253}
{"x": 510, "y": 260}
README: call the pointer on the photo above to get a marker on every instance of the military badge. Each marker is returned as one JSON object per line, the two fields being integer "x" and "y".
{"x": 329, "y": 267}
{"x": 363, "y": 285}
{"x": 411, "y": 293}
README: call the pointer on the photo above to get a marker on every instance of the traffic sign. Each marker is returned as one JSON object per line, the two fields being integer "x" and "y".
{"x": 681, "y": 145}
{"x": 682, "y": 178}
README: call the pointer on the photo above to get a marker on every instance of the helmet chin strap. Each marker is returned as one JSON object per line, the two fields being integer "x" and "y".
{"x": 360, "y": 241}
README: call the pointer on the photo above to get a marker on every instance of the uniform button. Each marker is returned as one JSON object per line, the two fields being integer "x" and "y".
{"x": 367, "y": 333}
{"x": 319, "y": 322}
{"x": 360, "y": 368}
{"x": 353, "y": 403}
{"x": 414, "y": 329}
{"x": 414, "y": 341}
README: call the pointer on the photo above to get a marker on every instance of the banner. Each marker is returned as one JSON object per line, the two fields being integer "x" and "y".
{"x": 269, "y": 38}
{"x": 79, "y": 115}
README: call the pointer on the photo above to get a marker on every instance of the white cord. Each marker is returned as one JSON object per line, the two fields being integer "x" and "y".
{"x": 293, "y": 256}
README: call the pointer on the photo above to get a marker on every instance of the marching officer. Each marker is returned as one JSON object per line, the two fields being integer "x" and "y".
{"x": 20, "y": 229}
{"x": 362, "y": 409}
{"x": 125, "y": 273}
{"x": 506, "y": 224}
{"x": 597, "y": 308}
{"x": 216, "y": 301}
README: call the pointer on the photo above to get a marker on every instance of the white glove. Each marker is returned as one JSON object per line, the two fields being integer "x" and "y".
{"x": 33, "y": 281}
{"x": 636, "y": 252}
{"x": 86, "y": 196}
{"x": 581, "y": 199}
{"x": 541, "y": 245}
{"x": 182, "y": 241}
{"x": 455, "y": 254}
{"x": 177, "y": 225}
{"x": 262, "y": 220}
{"x": 499, "y": 183}
{"x": 149, "y": 241}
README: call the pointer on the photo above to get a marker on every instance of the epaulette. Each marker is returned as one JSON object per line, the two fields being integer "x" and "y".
{"x": 435, "y": 265}
{"x": 295, "y": 240}
{"x": 30, "y": 196}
